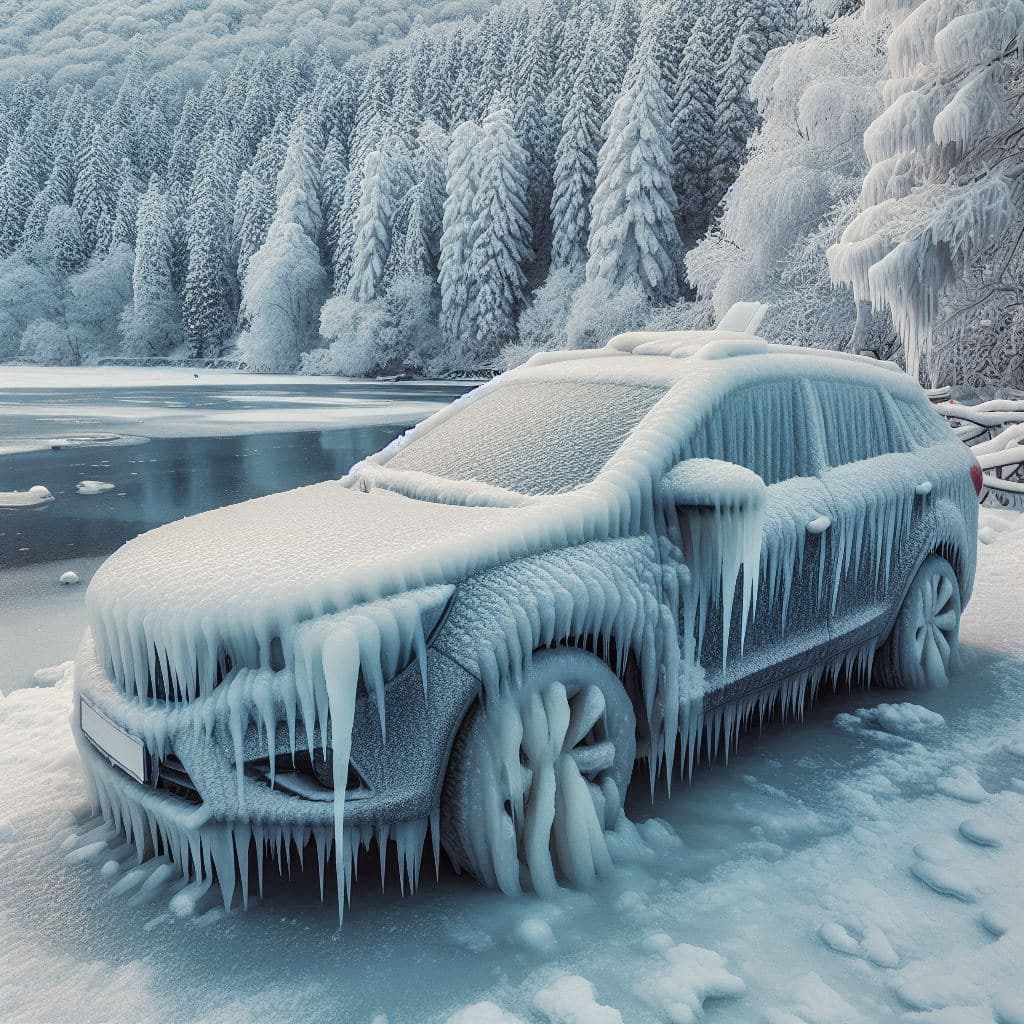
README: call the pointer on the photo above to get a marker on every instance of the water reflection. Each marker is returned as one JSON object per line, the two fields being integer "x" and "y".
{"x": 160, "y": 481}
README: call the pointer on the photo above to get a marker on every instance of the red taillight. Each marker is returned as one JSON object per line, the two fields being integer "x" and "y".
{"x": 976, "y": 478}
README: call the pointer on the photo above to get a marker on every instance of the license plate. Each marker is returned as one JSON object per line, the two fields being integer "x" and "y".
{"x": 128, "y": 752}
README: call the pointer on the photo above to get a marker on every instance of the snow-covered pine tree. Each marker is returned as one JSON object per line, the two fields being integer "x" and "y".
{"x": 17, "y": 192}
{"x": 940, "y": 236}
{"x": 285, "y": 280}
{"x": 64, "y": 244}
{"x": 122, "y": 231}
{"x": 256, "y": 195}
{"x": 333, "y": 171}
{"x": 95, "y": 196}
{"x": 502, "y": 243}
{"x": 633, "y": 236}
{"x": 151, "y": 325}
{"x": 693, "y": 132}
{"x": 386, "y": 178}
{"x": 210, "y": 300}
{"x": 457, "y": 236}
{"x": 576, "y": 159}
{"x": 760, "y": 26}
{"x": 430, "y": 162}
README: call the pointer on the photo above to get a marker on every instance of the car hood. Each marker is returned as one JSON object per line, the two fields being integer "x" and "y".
{"x": 231, "y": 579}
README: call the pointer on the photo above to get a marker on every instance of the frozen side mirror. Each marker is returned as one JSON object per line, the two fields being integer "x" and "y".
{"x": 712, "y": 485}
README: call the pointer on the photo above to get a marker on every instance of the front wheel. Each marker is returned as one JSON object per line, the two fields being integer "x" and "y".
{"x": 922, "y": 649}
{"x": 537, "y": 776}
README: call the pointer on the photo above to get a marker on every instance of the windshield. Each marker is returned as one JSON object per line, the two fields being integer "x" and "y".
{"x": 533, "y": 438}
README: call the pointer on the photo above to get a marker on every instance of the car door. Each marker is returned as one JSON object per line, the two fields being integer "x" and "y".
{"x": 768, "y": 428}
{"x": 879, "y": 489}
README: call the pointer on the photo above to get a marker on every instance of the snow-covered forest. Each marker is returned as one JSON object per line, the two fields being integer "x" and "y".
{"x": 454, "y": 187}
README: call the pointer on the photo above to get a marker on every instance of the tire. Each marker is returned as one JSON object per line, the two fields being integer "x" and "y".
{"x": 923, "y": 646}
{"x": 537, "y": 776}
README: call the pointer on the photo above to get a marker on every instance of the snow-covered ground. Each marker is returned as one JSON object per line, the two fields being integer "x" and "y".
{"x": 865, "y": 865}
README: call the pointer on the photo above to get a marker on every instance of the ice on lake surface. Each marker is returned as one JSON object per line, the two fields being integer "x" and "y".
{"x": 218, "y": 459}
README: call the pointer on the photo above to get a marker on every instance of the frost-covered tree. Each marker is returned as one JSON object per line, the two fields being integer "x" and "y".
{"x": 96, "y": 189}
{"x": 210, "y": 300}
{"x": 939, "y": 237}
{"x": 285, "y": 280}
{"x": 762, "y": 25}
{"x": 122, "y": 230}
{"x": 151, "y": 324}
{"x": 457, "y": 236}
{"x": 502, "y": 243}
{"x": 791, "y": 197}
{"x": 633, "y": 235}
{"x": 693, "y": 131}
{"x": 385, "y": 179}
{"x": 17, "y": 191}
{"x": 576, "y": 160}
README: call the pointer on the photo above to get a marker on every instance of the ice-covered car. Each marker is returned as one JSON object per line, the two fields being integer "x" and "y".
{"x": 599, "y": 557}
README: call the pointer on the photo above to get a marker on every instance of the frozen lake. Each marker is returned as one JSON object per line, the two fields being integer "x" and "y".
{"x": 172, "y": 446}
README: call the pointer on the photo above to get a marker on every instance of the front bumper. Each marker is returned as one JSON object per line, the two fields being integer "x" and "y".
{"x": 209, "y": 738}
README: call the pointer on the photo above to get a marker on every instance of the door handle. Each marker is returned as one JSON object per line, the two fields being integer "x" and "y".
{"x": 819, "y": 524}
{"x": 923, "y": 488}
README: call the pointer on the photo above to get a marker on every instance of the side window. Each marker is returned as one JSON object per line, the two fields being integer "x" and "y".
{"x": 923, "y": 424}
{"x": 762, "y": 427}
{"x": 860, "y": 422}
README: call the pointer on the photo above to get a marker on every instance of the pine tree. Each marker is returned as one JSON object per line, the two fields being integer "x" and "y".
{"x": 17, "y": 191}
{"x": 285, "y": 280}
{"x": 95, "y": 196}
{"x": 431, "y": 159}
{"x": 333, "y": 171}
{"x": 122, "y": 231}
{"x": 633, "y": 235}
{"x": 502, "y": 243}
{"x": 576, "y": 161}
{"x": 693, "y": 132}
{"x": 210, "y": 299}
{"x": 152, "y": 324}
{"x": 63, "y": 241}
{"x": 763, "y": 24}
{"x": 457, "y": 236}
{"x": 256, "y": 195}
{"x": 385, "y": 180}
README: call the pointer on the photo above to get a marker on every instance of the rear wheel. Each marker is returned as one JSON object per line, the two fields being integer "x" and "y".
{"x": 922, "y": 649}
{"x": 538, "y": 775}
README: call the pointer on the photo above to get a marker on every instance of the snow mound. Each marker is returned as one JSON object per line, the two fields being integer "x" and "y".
{"x": 687, "y": 977}
{"x": 536, "y": 934}
{"x": 93, "y": 487}
{"x": 572, "y": 1000}
{"x": 69, "y": 578}
{"x": 900, "y": 719}
{"x": 34, "y": 496}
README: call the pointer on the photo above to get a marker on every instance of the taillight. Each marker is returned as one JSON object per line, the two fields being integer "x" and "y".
{"x": 976, "y": 478}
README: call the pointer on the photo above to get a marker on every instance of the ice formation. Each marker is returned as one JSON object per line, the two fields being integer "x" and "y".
{"x": 305, "y": 599}
{"x": 93, "y": 487}
{"x": 37, "y": 495}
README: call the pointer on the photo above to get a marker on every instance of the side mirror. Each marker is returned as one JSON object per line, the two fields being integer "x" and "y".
{"x": 711, "y": 485}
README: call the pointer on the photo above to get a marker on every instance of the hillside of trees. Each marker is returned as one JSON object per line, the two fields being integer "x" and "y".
{"x": 399, "y": 212}
{"x": 542, "y": 175}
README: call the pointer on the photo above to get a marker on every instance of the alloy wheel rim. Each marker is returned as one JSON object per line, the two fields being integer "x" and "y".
{"x": 936, "y": 625}
{"x": 556, "y": 793}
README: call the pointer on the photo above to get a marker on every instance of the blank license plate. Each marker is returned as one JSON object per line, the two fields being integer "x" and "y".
{"x": 125, "y": 750}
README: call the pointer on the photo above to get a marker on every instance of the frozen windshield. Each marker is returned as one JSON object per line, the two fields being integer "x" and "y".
{"x": 534, "y": 438}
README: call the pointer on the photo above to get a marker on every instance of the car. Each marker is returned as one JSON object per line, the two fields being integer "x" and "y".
{"x": 599, "y": 558}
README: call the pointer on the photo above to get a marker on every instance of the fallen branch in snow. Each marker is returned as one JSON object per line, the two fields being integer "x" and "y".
{"x": 994, "y": 431}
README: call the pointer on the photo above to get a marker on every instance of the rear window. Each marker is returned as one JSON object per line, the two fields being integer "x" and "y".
{"x": 924, "y": 424}
{"x": 533, "y": 438}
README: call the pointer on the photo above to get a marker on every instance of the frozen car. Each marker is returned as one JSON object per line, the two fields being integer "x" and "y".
{"x": 600, "y": 557}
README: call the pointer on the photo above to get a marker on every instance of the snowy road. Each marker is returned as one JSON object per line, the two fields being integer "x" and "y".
{"x": 866, "y": 865}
